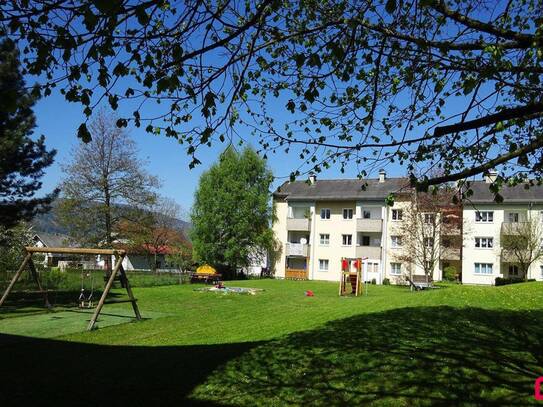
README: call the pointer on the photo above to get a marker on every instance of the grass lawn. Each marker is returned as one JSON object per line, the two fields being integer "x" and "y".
{"x": 449, "y": 346}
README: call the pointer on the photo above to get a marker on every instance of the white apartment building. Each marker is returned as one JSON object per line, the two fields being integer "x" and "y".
{"x": 486, "y": 222}
{"x": 319, "y": 222}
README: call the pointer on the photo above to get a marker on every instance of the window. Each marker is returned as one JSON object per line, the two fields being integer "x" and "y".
{"x": 347, "y": 213}
{"x": 429, "y": 218}
{"x": 325, "y": 213}
{"x": 397, "y": 214}
{"x": 373, "y": 267}
{"x": 396, "y": 269}
{"x": 484, "y": 242}
{"x": 513, "y": 217}
{"x": 396, "y": 241}
{"x": 347, "y": 240}
{"x": 483, "y": 268}
{"x": 366, "y": 214}
{"x": 324, "y": 239}
{"x": 484, "y": 216}
{"x": 513, "y": 270}
{"x": 429, "y": 241}
{"x": 541, "y": 270}
{"x": 365, "y": 241}
{"x": 323, "y": 264}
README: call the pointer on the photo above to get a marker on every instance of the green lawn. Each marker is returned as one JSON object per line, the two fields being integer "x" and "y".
{"x": 449, "y": 346}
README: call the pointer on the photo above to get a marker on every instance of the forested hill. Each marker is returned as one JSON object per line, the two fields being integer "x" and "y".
{"x": 48, "y": 223}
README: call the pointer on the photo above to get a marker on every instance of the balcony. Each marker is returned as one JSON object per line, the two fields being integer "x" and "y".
{"x": 372, "y": 252}
{"x": 369, "y": 225}
{"x": 296, "y": 274}
{"x": 297, "y": 249}
{"x": 450, "y": 253}
{"x": 515, "y": 228}
{"x": 298, "y": 224}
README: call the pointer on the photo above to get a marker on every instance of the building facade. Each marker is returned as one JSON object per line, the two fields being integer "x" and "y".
{"x": 321, "y": 222}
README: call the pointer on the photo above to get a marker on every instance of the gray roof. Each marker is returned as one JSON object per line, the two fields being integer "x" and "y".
{"x": 53, "y": 239}
{"x": 338, "y": 189}
{"x": 511, "y": 194}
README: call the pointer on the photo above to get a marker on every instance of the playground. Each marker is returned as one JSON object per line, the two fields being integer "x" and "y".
{"x": 456, "y": 344}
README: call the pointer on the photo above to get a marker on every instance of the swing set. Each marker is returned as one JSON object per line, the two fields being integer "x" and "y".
{"x": 85, "y": 301}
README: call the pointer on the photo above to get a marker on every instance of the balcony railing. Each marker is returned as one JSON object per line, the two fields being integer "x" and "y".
{"x": 450, "y": 253}
{"x": 300, "y": 224}
{"x": 369, "y": 225}
{"x": 296, "y": 274}
{"x": 297, "y": 249}
{"x": 372, "y": 252}
{"x": 514, "y": 228}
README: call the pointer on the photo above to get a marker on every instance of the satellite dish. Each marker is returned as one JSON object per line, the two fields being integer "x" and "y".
{"x": 303, "y": 240}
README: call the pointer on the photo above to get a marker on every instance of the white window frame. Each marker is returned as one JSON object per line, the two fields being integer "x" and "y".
{"x": 343, "y": 240}
{"x": 429, "y": 242}
{"x": 350, "y": 211}
{"x": 482, "y": 242}
{"x": 395, "y": 241}
{"x": 514, "y": 215}
{"x": 326, "y": 211}
{"x": 479, "y": 267}
{"x": 484, "y": 216}
{"x": 393, "y": 269}
{"x": 429, "y": 218}
{"x": 397, "y": 215}
{"x": 324, "y": 262}
{"x": 324, "y": 241}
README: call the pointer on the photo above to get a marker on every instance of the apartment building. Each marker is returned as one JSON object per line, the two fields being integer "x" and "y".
{"x": 320, "y": 222}
{"x": 485, "y": 225}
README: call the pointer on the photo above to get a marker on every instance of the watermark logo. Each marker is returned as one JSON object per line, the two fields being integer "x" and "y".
{"x": 537, "y": 388}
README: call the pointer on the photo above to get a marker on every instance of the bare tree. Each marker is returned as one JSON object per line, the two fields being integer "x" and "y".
{"x": 430, "y": 227}
{"x": 103, "y": 183}
{"x": 521, "y": 243}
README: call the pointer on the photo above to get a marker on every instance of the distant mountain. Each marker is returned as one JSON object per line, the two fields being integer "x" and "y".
{"x": 48, "y": 223}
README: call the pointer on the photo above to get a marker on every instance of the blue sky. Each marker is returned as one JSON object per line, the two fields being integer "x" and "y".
{"x": 58, "y": 120}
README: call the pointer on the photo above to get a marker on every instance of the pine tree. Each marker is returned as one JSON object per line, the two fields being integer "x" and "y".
{"x": 22, "y": 159}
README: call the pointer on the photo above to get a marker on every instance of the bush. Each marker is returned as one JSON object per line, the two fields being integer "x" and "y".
{"x": 373, "y": 281}
{"x": 449, "y": 273}
{"x": 386, "y": 281}
{"x": 508, "y": 280}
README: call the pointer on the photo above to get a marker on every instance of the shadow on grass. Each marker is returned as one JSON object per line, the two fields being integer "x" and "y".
{"x": 410, "y": 356}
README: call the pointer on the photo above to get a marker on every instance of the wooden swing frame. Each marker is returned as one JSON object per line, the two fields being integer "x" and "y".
{"x": 117, "y": 269}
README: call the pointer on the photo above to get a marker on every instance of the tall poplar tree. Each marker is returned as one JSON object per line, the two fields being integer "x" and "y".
{"x": 232, "y": 212}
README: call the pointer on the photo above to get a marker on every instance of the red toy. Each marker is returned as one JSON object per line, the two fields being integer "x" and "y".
{"x": 309, "y": 293}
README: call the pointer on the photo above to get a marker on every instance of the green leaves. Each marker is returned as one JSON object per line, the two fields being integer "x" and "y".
{"x": 83, "y": 133}
{"x": 390, "y": 6}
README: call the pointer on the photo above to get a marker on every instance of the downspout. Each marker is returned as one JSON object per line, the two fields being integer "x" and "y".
{"x": 384, "y": 240}
{"x": 312, "y": 237}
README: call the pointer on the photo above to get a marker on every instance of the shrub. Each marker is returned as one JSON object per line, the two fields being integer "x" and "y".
{"x": 509, "y": 280}
{"x": 373, "y": 281}
{"x": 449, "y": 273}
{"x": 386, "y": 281}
